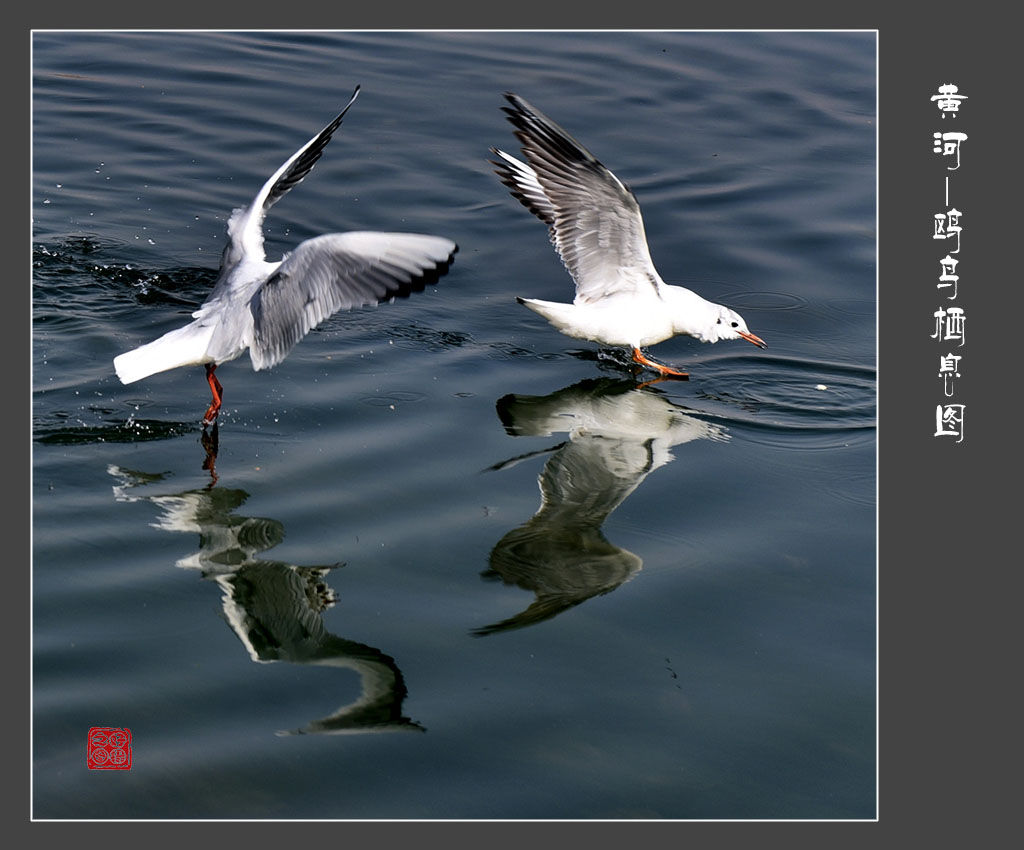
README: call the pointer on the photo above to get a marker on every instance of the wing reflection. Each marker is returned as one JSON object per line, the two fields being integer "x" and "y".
{"x": 275, "y": 609}
{"x": 619, "y": 432}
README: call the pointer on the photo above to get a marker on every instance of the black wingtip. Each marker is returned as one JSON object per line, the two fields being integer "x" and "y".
{"x": 427, "y": 277}
{"x": 519, "y": 106}
{"x": 351, "y": 100}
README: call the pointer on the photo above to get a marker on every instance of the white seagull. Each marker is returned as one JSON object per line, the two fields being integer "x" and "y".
{"x": 267, "y": 307}
{"x": 595, "y": 225}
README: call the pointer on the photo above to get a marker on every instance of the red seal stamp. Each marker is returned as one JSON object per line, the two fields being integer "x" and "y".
{"x": 110, "y": 748}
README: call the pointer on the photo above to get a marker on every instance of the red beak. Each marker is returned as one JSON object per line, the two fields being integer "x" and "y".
{"x": 754, "y": 338}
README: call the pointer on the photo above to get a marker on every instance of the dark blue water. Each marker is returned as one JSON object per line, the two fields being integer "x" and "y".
{"x": 451, "y": 563}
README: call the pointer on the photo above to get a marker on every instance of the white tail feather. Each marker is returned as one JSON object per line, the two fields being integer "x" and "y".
{"x": 181, "y": 347}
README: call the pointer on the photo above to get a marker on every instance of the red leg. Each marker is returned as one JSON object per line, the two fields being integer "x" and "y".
{"x": 217, "y": 390}
{"x": 639, "y": 357}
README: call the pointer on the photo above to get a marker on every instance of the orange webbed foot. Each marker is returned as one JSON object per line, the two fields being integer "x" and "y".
{"x": 666, "y": 372}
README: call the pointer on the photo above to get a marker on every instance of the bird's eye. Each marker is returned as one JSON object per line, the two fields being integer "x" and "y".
{"x": 719, "y": 321}
{"x": 735, "y": 324}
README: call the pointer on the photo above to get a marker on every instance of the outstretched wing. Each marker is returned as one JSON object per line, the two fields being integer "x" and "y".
{"x": 245, "y": 227}
{"x": 340, "y": 271}
{"x": 593, "y": 218}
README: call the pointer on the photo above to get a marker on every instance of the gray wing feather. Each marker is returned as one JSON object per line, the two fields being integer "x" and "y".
{"x": 594, "y": 219}
{"x": 339, "y": 271}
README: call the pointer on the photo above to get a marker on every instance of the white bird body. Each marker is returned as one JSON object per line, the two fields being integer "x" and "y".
{"x": 267, "y": 307}
{"x": 595, "y": 225}
{"x": 639, "y": 318}
{"x": 614, "y": 321}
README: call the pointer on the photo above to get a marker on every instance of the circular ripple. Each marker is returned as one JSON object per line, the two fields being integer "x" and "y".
{"x": 792, "y": 403}
{"x": 835, "y": 397}
{"x": 854, "y": 306}
{"x": 766, "y": 301}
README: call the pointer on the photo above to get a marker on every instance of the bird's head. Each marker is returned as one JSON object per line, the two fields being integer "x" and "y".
{"x": 728, "y": 324}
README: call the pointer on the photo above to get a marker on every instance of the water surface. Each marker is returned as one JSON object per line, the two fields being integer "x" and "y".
{"x": 449, "y": 563}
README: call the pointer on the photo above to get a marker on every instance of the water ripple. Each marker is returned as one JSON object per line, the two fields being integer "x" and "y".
{"x": 856, "y": 487}
{"x": 766, "y": 301}
{"x": 58, "y": 270}
{"x": 62, "y": 430}
{"x": 854, "y": 306}
{"x": 792, "y": 402}
{"x": 392, "y": 399}
{"x": 420, "y": 338}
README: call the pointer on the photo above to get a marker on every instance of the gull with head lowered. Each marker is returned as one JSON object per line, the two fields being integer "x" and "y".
{"x": 267, "y": 307}
{"x": 595, "y": 225}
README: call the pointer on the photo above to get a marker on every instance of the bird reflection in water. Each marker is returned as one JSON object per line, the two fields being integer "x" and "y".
{"x": 274, "y": 608}
{"x": 210, "y": 441}
{"x": 619, "y": 432}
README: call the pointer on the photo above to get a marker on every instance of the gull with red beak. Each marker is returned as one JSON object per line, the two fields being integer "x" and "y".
{"x": 595, "y": 225}
{"x": 267, "y": 307}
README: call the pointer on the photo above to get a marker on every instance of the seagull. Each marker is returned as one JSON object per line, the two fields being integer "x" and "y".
{"x": 595, "y": 226}
{"x": 267, "y": 307}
